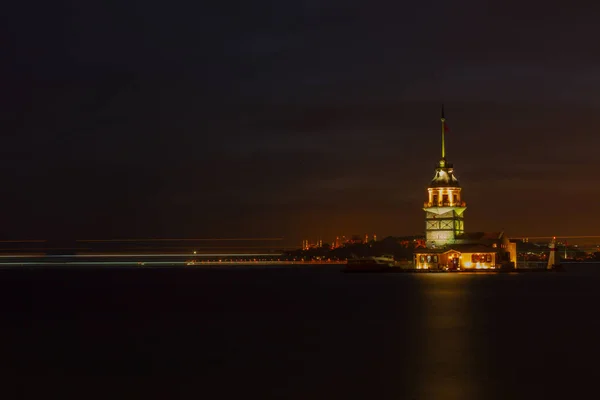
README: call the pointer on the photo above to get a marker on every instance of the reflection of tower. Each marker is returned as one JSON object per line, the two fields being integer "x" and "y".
{"x": 444, "y": 209}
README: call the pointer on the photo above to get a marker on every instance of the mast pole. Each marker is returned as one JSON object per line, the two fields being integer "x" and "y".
{"x": 443, "y": 138}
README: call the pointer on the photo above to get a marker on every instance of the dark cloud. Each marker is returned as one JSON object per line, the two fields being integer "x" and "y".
{"x": 304, "y": 119}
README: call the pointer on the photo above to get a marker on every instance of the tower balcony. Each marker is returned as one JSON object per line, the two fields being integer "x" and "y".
{"x": 445, "y": 204}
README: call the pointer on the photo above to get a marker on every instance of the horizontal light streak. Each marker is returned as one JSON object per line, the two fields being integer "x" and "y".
{"x": 23, "y": 241}
{"x": 189, "y": 255}
{"x": 38, "y": 255}
{"x": 176, "y": 240}
{"x": 174, "y": 263}
{"x": 215, "y": 247}
{"x": 318, "y": 262}
{"x": 125, "y": 255}
{"x": 123, "y": 263}
{"x": 555, "y": 236}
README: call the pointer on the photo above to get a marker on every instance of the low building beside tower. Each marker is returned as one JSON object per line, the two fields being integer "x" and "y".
{"x": 477, "y": 250}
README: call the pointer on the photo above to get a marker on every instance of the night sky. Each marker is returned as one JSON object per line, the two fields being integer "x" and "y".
{"x": 301, "y": 119}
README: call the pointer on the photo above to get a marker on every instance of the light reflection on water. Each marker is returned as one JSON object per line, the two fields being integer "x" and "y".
{"x": 448, "y": 366}
{"x": 506, "y": 336}
{"x": 308, "y": 333}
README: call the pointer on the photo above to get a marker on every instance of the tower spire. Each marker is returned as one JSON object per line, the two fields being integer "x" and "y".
{"x": 443, "y": 138}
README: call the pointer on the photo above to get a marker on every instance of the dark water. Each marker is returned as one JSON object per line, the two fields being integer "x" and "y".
{"x": 298, "y": 333}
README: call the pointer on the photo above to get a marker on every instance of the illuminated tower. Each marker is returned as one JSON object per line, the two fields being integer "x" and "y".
{"x": 444, "y": 208}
